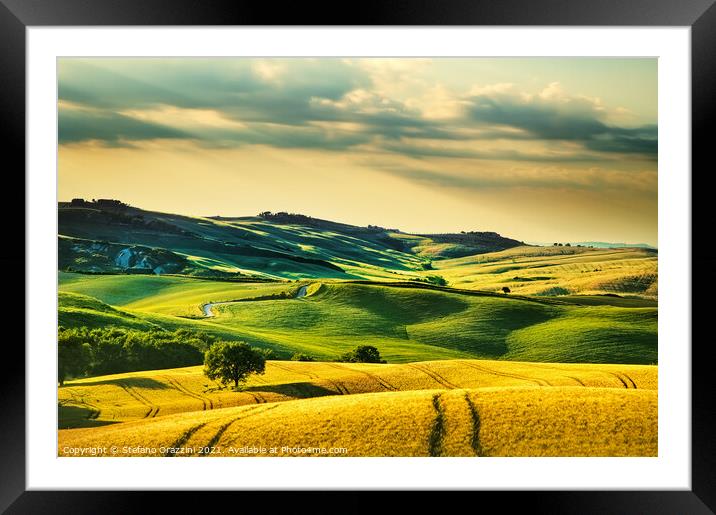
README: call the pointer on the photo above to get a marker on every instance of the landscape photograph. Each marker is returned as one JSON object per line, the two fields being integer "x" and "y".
{"x": 357, "y": 257}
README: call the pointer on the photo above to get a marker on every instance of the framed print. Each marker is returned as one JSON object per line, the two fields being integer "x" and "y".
{"x": 435, "y": 250}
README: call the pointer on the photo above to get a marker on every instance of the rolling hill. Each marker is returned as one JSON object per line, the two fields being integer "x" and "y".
{"x": 455, "y": 408}
{"x": 494, "y": 348}
{"x": 406, "y": 321}
{"x": 99, "y": 238}
{"x": 282, "y": 246}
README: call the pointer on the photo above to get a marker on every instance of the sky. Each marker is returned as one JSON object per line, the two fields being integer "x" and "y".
{"x": 537, "y": 149}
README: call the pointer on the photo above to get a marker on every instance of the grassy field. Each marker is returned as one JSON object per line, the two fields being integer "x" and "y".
{"x": 406, "y": 322}
{"x": 442, "y": 408}
{"x": 555, "y": 271}
{"x": 562, "y": 365}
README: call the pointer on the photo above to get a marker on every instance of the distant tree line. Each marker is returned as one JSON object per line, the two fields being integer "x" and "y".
{"x": 437, "y": 280}
{"x": 69, "y": 214}
{"x": 569, "y": 245}
{"x": 84, "y": 352}
{"x": 88, "y": 352}
{"x": 297, "y": 218}
{"x": 487, "y": 239}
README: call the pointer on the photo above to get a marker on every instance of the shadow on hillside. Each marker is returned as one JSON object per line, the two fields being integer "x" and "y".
{"x": 71, "y": 417}
{"x": 303, "y": 390}
{"x": 132, "y": 382}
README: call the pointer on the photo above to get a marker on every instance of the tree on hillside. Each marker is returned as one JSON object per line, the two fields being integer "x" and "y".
{"x": 437, "y": 280}
{"x": 233, "y": 362}
{"x": 363, "y": 354}
{"x": 73, "y": 356}
{"x": 505, "y": 290}
{"x": 299, "y": 356}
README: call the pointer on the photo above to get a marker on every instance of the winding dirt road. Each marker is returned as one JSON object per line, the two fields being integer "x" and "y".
{"x": 207, "y": 308}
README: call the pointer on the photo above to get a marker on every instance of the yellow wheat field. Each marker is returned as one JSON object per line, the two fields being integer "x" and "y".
{"x": 157, "y": 393}
{"x": 503, "y": 421}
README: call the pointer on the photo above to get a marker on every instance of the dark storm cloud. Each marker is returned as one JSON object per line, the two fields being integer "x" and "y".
{"x": 302, "y": 104}
{"x": 643, "y": 140}
{"x": 115, "y": 129}
{"x": 563, "y": 119}
{"x": 223, "y": 84}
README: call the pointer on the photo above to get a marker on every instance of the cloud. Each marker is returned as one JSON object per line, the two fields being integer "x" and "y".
{"x": 112, "y": 128}
{"x": 544, "y": 178}
{"x": 554, "y": 115}
{"x": 335, "y": 105}
{"x": 230, "y": 85}
{"x": 423, "y": 150}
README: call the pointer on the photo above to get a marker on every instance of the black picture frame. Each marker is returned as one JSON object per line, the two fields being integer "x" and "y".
{"x": 17, "y": 15}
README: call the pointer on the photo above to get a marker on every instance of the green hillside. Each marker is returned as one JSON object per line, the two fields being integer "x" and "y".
{"x": 267, "y": 246}
{"x": 280, "y": 247}
{"x": 292, "y": 283}
{"x": 407, "y": 322}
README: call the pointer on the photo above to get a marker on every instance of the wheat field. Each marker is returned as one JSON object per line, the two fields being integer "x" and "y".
{"x": 438, "y": 408}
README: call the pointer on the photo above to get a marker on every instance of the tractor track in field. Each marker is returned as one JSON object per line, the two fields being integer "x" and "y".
{"x": 343, "y": 369}
{"x": 260, "y": 399}
{"x": 542, "y": 365}
{"x": 94, "y": 411}
{"x": 184, "y": 438}
{"x": 437, "y": 432}
{"x": 339, "y": 386}
{"x": 182, "y": 389}
{"x": 255, "y": 410}
{"x": 538, "y": 382}
{"x": 385, "y": 384}
{"x": 623, "y": 378}
{"x": 288, "y": 369}
{"x": 433, "y": 375}
{"x": 382, "y": 382}
{"x": 475, "y": 434}
{"x": 153, "y": 409}
{"x": 633, "y": 384}
{"x": 337, "y": 367}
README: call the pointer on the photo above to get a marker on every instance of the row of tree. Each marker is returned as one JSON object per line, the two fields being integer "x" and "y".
{"x": 87, "y": 352}
{"x": 361, "y": 354}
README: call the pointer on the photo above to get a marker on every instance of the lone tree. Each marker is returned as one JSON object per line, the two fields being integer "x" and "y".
{"x": 505, "y": 290}
{"x": 363, "y": 354}
{"x": 233, "y": 361}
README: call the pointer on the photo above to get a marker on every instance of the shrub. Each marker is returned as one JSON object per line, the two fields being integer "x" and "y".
{"x": 437, "y": 280}
{"x": 299, "y": 356}
{"x": 362, "y": 354}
